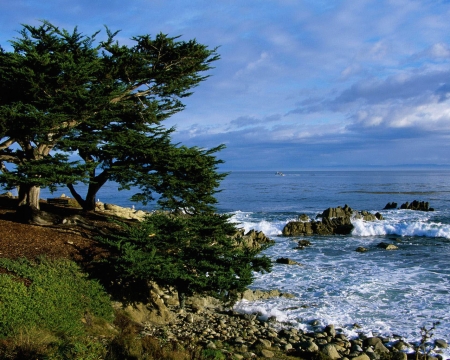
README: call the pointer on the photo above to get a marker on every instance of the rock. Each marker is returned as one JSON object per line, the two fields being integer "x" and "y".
{"x": 372, "y": 341}
{"x": 391, "y": 205}
{"x": 303, "y": 217}
{"x": 330, "y": 351}
{"x": 309, "y": 346}
{"x": 287, "y": 261}
{"x": 379, "y": 348}
{"x": 252, "y": 295}
{"x": 398, "y": 356}
{"x": 400, "y": 345}
{"x": 441, "y": 343}
{"x": 417, "y": 205}
{"x": 379, "y": 216}
{"x": 335, "y": 221}
{"x": 387, "y": 246}
{"x": 361, "y": 249}
{"x": 211, "y": 345}
{"x": 304, "y": 243}
{"x": 267, "y": 353}
{"x": 361, "y": 357}
{"x": 252, "y": 239}
{"x": 330, "y": 330}
{"x": 262, "y": 343}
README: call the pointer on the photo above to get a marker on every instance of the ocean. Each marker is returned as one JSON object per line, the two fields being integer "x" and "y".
{"x": 384, "y": 292}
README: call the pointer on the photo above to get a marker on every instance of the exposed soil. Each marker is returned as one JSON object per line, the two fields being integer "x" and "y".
{"x": 18, "y": 239}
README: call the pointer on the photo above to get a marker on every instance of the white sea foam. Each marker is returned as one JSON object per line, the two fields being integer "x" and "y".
{"x": 248, "y": 221}
{"x": 401, "y": 228}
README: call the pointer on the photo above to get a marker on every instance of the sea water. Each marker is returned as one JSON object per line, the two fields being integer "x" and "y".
{"x": 384, "y": 292}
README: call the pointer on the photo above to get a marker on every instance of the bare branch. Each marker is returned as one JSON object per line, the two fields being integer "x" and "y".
{"x": 7, "y": 143}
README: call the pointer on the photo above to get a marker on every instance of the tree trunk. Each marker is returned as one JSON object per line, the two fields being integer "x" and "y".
{"x": 29, "y": 195}
{"x": 95, "y": 183}
{"x": 182, "y": 299}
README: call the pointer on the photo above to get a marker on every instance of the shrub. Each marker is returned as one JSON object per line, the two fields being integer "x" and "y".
{"x": 194, "y": 254}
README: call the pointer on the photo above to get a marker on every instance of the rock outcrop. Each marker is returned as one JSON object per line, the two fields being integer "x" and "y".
{"x": 252, "y": 239}
{"x": 417, "y": 205}
{"x": 390, "y": 205}
{"x": 335, "y": 221}
{"x": 122, "y": 212}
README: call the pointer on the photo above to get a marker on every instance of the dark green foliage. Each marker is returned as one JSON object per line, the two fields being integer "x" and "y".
{"x": 186, "y": 178}
{"x": 194, "y": 254}
{"x": 50, "y": 295}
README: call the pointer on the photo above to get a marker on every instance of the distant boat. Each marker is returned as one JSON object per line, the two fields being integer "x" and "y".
{"x": 279, "y": 173}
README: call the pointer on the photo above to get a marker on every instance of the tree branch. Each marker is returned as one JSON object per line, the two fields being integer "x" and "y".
{"x": 7, "y": 143}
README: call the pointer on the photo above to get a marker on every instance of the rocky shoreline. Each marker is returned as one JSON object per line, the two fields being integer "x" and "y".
{"x": 206, "y": 322}
{"x": 245, "y": 336}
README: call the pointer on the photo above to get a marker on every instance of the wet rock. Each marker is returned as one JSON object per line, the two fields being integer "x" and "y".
{"x": 379, "y": 348}
{"x": 361, "y": 249}
{"x": 252, "y": 295}
{"x": 417, "y": 205}
{"x": 330, "y": 330}
{"x": 391, "y": 205}
{"x": 252, "y": 239}
{"x": 287, "y": 261}
{"x": 334, "y": 221}
{"x": 387, "y": 246}
{"x": 372, "y": 341}
{"x": 304, "y": 243}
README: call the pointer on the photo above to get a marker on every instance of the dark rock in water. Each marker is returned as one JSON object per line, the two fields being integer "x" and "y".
{"x": 379, "y": 216}
{"x": 287, "y": 261}
{"x": 417, "y": 205}
{"x": 361, "y": 249}
{"x": 304, "y": 243}
{"x": 391, "y": 205}
{"x": 387, "y": 246}
{"x": 334, "y": 221}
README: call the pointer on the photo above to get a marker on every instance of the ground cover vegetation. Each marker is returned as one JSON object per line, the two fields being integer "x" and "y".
{"x": 77, "y": 110}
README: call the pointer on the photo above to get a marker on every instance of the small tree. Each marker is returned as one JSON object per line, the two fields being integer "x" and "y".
{"x": 189, "y": 247}
{"x": 194, "y": 254}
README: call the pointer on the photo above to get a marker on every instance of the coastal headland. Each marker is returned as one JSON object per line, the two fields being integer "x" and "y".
{"x": 205, "y": 322}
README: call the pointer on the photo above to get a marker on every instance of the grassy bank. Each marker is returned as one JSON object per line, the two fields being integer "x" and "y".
{"x": 52, "y": 310}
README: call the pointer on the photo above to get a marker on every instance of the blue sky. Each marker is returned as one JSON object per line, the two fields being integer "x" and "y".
{"x": 301, "y": 84}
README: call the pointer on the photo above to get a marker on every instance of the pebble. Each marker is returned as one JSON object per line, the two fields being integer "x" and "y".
{"x": 245, "y": 335}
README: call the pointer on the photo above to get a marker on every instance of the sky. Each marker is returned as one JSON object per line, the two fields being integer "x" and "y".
{"x": 301, "y": 84}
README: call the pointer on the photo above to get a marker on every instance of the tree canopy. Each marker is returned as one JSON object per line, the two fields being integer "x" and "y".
{"x": 64, "y": 93}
